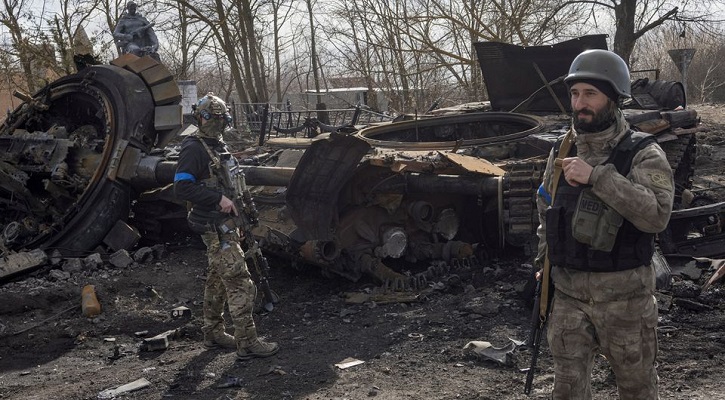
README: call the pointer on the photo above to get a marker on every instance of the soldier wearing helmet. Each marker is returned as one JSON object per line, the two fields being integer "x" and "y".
{"x": 134, "y": 33}
{"x": 212, "y": 116}
{"x": 200, "y": 180}
{"x": 599, "y": 210}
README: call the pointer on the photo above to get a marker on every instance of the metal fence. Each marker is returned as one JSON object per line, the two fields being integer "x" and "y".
{"x": 265, "y": 120}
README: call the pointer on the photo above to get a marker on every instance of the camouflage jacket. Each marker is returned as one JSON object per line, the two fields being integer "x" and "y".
{"x": 644, "y": 197}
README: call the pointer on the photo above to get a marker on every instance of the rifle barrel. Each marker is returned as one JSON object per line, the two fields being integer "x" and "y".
{"x": 532, "y": 367}
{"x": 534, "y": 342}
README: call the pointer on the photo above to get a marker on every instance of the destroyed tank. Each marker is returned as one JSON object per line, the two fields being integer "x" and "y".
{"x": 74, "y": 156}
{"x": 84, "y": 168}
{"x": 457, "y": 185}
{"x": 455, "y": 189}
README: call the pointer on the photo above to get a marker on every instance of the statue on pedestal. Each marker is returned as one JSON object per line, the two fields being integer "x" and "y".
{"x": 135, "y": 34}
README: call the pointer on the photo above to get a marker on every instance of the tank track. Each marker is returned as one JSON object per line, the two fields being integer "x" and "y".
{"x": 681, "y": 155}
{"x": 438, "y": 271}
{"x": 520, "y": 215}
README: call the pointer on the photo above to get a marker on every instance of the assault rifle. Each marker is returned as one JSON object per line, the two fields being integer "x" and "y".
{"x": 538, "y": 322}
{"x": 544, "y": 286}
{"x": 247, "y": 218}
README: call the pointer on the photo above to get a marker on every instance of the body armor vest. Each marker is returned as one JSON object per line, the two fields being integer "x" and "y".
{"x": 201, "y": 221}
{"x": 632, "y": 247}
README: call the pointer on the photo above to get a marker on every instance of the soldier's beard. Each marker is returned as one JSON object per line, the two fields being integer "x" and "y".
{"x": 600, "y": 121}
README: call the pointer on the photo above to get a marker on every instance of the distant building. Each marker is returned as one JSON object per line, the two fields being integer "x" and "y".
{"x": 189, "y": 95}
{"x": 348, "y": 97}
{"x": 9, "y": 84}
{"x": 342, "y": 97}
{"x": 8, "y": 102}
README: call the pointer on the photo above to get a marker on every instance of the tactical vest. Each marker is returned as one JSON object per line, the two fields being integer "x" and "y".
{"x": 201, "y": 221}
{"x": 632, "y": 247}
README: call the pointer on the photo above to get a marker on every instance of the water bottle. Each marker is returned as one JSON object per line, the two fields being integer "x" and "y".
{"x": 89, "y": 303}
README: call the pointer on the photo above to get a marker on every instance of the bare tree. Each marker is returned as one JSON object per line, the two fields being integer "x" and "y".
{"x": 112, "y": 11}
{"x": 186, "y": 41}
{"x": 280, "y": 13}
{"x": 313, "y": 55}
{"x": 22, "y": 49}
{"x": 409, "y": 45}
{"x": 633, "y": 19}
{"x": 705, "y": 74}
{"x": 357, "y": 54}
{"x": 63, "y": 26}
{"x": 709, "y": 78}
{"x": 233, "y": 29}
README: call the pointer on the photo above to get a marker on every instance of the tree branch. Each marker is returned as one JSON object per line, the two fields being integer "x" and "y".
{"x": 656, "y": 23}
{"x": 566, "y": 4}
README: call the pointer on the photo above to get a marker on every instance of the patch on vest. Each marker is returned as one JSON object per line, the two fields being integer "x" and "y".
{"x": 660, "y": 180}
{"x": 590, "y": 206}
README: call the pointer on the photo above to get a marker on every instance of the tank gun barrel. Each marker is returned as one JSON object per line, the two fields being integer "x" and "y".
{"x": 154, "y": 171}
{"x": 409, "y": 182}
{"x": 267, "y": 176}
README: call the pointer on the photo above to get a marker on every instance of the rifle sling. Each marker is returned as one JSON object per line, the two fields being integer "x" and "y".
{"x": 546, "y": 276}
{"x": 214, "y": 159}
{"x": 215, "y": 166}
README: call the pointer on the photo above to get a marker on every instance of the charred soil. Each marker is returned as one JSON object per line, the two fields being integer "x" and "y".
{"x": 410, "y": 350}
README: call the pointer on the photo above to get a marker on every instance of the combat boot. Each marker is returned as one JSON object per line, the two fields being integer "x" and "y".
{"x": 219, "y": 339}
{"x": 249, "y": 345}
{"x": 257, "y": 348}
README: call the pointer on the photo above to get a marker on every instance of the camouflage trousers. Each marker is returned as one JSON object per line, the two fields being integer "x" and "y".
{"x": 228, "y": 281}
{"x": 624, "y": 331}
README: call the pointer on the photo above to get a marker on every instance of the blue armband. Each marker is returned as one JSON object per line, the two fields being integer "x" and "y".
{"x": 184, "y": 176}
{"x": 544, "y": 194}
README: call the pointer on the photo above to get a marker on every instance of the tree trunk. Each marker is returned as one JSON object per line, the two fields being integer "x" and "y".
{"x": 228, "y": 46}
{"x": 625, "y": 35}
{"x": 313, "y": 49}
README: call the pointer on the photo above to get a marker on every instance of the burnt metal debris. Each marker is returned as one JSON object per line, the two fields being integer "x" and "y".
{"x": 84, "y": 165}
{"x": 73, "y": 155}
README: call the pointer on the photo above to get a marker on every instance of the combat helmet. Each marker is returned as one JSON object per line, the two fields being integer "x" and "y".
{"x": 213, "y": 110}
{"x": 601, "y": 65}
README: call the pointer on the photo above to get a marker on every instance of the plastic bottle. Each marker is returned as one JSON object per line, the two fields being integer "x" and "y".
{"x": 89, "y": 303}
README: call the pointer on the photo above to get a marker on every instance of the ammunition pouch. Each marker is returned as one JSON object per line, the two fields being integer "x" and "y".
{"x": 201, "y": 221}
{"x": 211, "y": 182}
{"x": 227, "y": 224}
{"x": 595, "y": 223}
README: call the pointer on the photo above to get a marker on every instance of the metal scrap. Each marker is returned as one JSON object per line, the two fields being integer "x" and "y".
{"x": 230, "y": 382}
{"x": 349, "y": 362}
{"x": 16, "y": 262}
{"x": 129, "y": 387}
{"x": 502, "y": 355}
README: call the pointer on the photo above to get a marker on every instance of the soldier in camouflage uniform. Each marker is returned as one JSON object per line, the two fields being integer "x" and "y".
{"x": 601, "y": 267}
{"x": 199, "y": 181}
